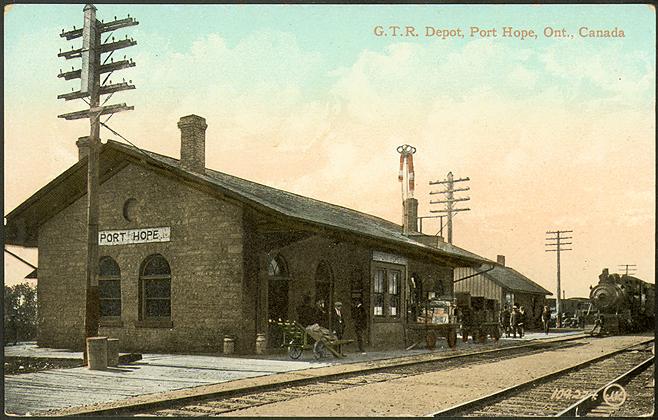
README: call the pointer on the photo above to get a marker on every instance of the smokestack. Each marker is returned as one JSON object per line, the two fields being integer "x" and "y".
{"x": 83, "y": 147}
{"x": 193, "y": 143}
{"x": 410, "y": 217}
{"x": 500, "y": 259}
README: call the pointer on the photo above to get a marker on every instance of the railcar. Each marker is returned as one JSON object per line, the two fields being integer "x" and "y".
{"x": 624, "y": 304}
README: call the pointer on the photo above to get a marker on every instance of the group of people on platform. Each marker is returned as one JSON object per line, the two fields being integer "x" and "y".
{"x": 334, "y": 323}
{"x": 513, "y": 320}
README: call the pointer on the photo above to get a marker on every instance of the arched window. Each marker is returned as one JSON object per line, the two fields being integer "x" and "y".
{"x": 277, "y": 297}
{"x": 277, "y": 267}
{"x": 109, "y": 288}
{"x": 155, "y": 288}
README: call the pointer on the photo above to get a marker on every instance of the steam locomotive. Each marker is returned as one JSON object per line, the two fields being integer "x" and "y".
{"x": 624, "y": 303}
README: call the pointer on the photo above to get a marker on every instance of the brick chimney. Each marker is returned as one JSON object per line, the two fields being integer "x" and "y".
{"x": 193, "y": 143}
{"x": 500, "y": 259}
{"x": 410, "y": 217}
{"x": 83, "y": 147}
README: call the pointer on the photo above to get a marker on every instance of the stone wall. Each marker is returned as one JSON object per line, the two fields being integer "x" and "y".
{"x": 205, "y": 255}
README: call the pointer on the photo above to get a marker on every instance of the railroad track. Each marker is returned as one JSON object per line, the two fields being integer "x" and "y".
{"x": 239, "y": 400}
{"x": 576, "y": 391}
{"x": 639, "y": 402}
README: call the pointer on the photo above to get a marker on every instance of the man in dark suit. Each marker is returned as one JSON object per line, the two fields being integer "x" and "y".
{"x": 504, "y": 320}
{"x": 320, "y": 316}
{"x": 360, "y": 319}
{"x": 514, "y": 320}
{"x": 521, "y": 321}
{"x": 306, "y": 312}
{"x": 546, "y": 319}
{"x": 338, "y": 323}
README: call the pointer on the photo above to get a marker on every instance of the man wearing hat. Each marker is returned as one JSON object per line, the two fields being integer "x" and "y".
{"x": 337, "y": 323}
{"x": 514, "y": 320}
{"x": 360, "y": 320}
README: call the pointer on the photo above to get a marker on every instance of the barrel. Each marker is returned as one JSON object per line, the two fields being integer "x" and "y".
{"x": 97, "y": 353}
{"x": 229, "y": 345}
{"x": 112, "y": 351}
{"x": 261, "y": 343}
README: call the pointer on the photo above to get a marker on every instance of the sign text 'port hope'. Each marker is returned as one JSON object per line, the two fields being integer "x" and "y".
{"x": 134, "y": 236}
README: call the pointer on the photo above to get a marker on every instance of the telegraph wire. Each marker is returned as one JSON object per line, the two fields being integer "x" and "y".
{"x": 128, "y": 141}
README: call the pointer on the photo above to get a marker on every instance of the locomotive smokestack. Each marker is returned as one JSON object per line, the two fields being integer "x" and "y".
{"x": 604, "y": 274}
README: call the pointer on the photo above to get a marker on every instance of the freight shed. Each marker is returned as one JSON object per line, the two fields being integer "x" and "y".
{"x": 507, "y": 286}
{"x": 189, "y": 255}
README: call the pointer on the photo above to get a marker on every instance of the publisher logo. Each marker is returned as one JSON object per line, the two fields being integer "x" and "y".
{"x": 614, "y": 395}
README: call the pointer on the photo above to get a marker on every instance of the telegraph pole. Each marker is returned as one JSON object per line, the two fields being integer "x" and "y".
{"x": 450, "y": 199}
{"x": 556, "y": 240}
{"x": 92, "y": 88}
{"x": 628, "y": 267}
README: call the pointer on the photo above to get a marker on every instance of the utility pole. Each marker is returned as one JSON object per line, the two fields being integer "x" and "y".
{"x": 92, "y": 88}
{"x": 556, "y": 240}
{"x": 450, "y": 199}
{"x": 628, "y": 267}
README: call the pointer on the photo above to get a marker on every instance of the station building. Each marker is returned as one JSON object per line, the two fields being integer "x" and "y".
{"x": 189, "y": 255}
{"x": 506, "y": 286}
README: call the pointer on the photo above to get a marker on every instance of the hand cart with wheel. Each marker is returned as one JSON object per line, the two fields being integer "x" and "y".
{"x": 437, "y": 320}
{"x": 297, "y": 338}
{"x": 325, "y": 341}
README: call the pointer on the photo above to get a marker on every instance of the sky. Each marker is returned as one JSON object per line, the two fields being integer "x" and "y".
{"x": 553, "y": 132}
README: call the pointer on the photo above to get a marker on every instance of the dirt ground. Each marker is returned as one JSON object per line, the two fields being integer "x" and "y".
{"x": 424, "y": 394}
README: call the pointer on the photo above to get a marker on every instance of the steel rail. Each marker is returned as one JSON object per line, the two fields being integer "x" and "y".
{"x": 581, "y": 407}
{"x": 455, "y": 411}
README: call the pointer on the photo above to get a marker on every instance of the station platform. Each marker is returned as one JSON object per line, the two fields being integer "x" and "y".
{"x": 66, "y": 391}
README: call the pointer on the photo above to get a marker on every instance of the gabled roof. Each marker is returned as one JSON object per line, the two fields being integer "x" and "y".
{"x": 294, "y": 206}
{"x": 511, "y": 279}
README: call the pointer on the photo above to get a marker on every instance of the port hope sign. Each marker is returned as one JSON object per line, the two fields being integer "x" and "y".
{"x": 134, "y": 236}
